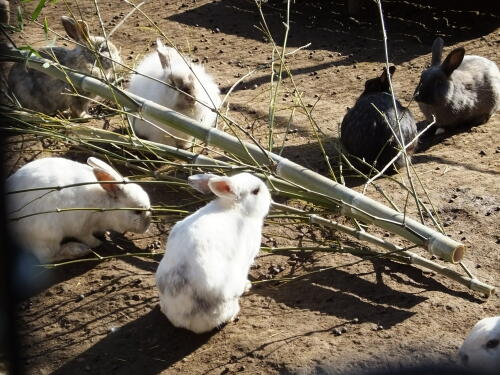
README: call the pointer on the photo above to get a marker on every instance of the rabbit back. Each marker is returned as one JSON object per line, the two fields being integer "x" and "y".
{"x": 47, "y": 231}
{"x": 470, "y": 96}
{"x": 364, "y": 132}
{"x": 42, "y": 93}
{"x": 36, "y": 90}
{"x": 203, "y": 273}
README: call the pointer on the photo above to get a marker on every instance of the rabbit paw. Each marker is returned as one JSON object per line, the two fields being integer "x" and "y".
{"x": 71, "y": 250}
{"x": 248, "y": 286}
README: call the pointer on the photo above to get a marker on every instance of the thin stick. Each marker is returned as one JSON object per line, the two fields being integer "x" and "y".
{"x": 405, "y": 256}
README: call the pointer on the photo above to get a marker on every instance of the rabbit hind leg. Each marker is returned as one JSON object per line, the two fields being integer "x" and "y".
{"x": 72, "y": 250}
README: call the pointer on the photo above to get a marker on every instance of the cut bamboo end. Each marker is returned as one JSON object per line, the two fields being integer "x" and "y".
{"x": 446, "y": 249}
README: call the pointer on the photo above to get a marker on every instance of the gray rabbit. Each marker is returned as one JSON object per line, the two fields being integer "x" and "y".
{"x": 365, "y": 132}
{"x": 462, "y": 90}
{"x": 40, "y": 92}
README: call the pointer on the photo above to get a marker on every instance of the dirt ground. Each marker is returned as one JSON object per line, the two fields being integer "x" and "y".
{"x": 102, "y": 317}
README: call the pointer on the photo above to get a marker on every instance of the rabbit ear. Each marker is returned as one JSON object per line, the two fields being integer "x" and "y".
{"x": 101, "y": 175}
{"x": 384, "y": 82}
{"x": 104, "y": 172}
{"x": 76, "y": 30}
{"x": 162, "y": 54}
{"x": 200, "y": 182}
{"x": 437, "y": 51}
{"x": 222, "y": 187}
{"x": 453, "y": 60}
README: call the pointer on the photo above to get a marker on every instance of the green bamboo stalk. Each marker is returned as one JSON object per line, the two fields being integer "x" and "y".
{"x": 352, "y": 203}
{"x": 396, "y": 252}
{"x": 204, "y": 162}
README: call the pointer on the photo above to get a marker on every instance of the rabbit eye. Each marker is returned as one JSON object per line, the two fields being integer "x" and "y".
{"x": 492, "y": 344}
{"x": 255, "y": 191}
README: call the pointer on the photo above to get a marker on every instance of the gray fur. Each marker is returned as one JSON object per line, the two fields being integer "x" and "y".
{"x": 437, "y": 51}
{"x": 459, "y": 92}
{"x": 40, "y": 92}
{"x": 175, "y": 281}
{"x": 204, "y": 305}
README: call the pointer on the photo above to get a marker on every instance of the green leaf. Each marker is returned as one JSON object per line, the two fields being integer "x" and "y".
{"x": 38, "y": 9}
{"x": 31, "y": 50}
{"x": 20, "y": 19}
{"x": 46, "y": 28}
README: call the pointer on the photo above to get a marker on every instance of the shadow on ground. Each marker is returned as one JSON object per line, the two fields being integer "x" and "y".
{"x": 348, "y": 296}
{"x": 145, "y": 346}
{"x": 326, "y": 25}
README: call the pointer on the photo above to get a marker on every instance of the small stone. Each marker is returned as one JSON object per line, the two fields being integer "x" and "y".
{"x": 113, "y": 329}
{"x": 80, "y": 297}
{"x": 343, "y": 329}
{"x": 482, "y": 153}
{"x": 355, "y": 320}
{"x": 336, "y": 332}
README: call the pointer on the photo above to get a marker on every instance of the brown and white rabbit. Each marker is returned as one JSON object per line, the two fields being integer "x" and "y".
{"x": 40, "y": 92}
{"x": 53, "y": 236}
{"x": 187, "y": 89}
{"x": 462, "y": 90}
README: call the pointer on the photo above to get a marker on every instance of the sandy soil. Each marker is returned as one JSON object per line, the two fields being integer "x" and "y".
{"x": 103, "y": 317}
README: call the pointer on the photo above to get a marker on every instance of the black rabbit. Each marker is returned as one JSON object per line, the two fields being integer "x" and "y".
{"x": 365, "y": 132}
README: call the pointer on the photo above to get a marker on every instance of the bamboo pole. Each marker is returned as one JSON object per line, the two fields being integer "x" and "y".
{"x": 395, "y": 252}
{"x": 352, "y": 203}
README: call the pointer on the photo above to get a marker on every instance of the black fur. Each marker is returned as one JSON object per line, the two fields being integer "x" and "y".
{"x": 365, "y": 132}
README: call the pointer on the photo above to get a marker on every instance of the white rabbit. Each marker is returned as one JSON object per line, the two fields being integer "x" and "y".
{"x": 481, "y": 348}
{"x": 463, "y": 90}
{"x": 187, "y": 84}
{"x": 70, "y": 234}
{"x": 208, "y": 254}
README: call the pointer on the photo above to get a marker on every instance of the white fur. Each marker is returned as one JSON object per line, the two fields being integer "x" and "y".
{"x": 476, "y": 351}
{"x": 43, "y": 233}
{"x": 208, "y": 254}
{"x": 176, "y": 72}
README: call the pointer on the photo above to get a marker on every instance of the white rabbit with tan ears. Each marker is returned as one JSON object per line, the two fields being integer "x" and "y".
{"x": 53, "y": 236}
{"x": 170, "y": 79}
{"x": 462, "y": 90}
{"x": 208, "y": 254}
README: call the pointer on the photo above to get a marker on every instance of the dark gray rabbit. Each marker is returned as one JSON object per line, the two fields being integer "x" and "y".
{"x": 40, "y": 92}
{"x": 365, "y": 132}
{"x": 463, "y": 90}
